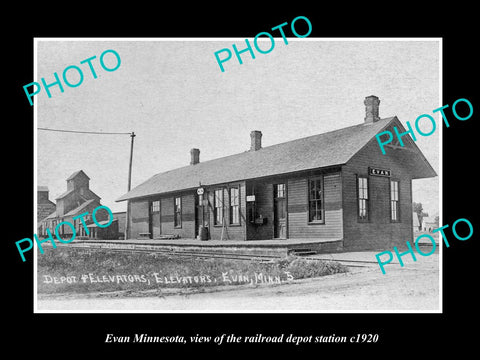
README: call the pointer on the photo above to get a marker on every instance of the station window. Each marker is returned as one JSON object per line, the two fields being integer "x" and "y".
{"x": 155, "y": 206}
{"x": 178, "y": 212}
{"x": 315, "y": 200}
{"x": 218, "y": 209}
{"x": 362, "y": 190}
{"x": 394, "y": 201}
{"x": 234, "y": 205}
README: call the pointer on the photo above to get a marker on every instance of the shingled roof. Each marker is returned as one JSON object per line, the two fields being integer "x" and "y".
{"x": 313, "y": 152}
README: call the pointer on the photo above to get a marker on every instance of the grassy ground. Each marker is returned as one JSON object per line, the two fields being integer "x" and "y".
{"x": 73, "y": 270}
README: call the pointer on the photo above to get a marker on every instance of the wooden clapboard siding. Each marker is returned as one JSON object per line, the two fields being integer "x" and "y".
{"x": 298, "y": 226}
{"x": 139, "y": 218}
{"x": 188, "y": 216}
{"x": 167, "y": 208}
{"x": 379, "y": 232}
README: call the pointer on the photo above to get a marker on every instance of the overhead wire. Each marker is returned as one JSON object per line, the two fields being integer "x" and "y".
{"x": 85, "y": 132}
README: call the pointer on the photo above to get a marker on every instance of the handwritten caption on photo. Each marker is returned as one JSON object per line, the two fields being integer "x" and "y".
{"x": 225, "y": 278}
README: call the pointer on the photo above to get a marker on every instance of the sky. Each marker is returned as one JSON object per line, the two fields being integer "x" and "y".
{"x": 173, "y": 95}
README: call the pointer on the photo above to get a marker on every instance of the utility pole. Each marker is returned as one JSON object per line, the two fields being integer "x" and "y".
{"x": 132, "y": 135}
{"x": 127, "y": 227}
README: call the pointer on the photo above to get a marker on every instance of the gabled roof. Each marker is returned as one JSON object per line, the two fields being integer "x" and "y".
{"x": 313, "y": 152}
{"x": 45, "y": 202}
{"x": 79, "y": 208}
{"x": 76, "y": 173}
{"x": 103, "y": 222}
{"x": 68, "y": 192}
{"x": 53, "y": 215}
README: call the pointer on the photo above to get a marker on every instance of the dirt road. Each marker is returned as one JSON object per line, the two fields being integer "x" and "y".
{"x": 414, "y": 287}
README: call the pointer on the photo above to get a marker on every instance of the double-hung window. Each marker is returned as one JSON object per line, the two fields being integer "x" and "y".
{"x": 315, "y": 200}
{"x": 394, "y": 201}
{"x": 362, "y": 191}
{"x": 218, "y": 209}
{"x": 234, "y": 205}
{"x": 177, "y": 219}
{"x": 155, "y": 206}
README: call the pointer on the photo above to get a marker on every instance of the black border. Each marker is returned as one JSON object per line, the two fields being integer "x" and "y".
{"x": 404, "y": 333}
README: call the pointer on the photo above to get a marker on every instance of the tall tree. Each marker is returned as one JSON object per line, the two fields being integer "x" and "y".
{"x": 418, "y": 208}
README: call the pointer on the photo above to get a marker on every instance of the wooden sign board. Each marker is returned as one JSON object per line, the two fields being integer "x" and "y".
{"x": 379, "y": 172}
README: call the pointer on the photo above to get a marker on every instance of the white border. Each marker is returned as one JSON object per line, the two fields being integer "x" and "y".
{"x": 386, "y": 39}
{"x": 440, "y": 180}
{"x": 35, "y": 172}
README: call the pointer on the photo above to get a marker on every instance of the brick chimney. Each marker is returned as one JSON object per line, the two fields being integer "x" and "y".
{"x": 256, "y": 140}
{"x": 194, "y": 156}
{"x": 371, "y": 109}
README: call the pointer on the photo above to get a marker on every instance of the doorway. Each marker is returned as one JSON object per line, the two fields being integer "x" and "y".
{"x": 198, "y": 213}
{"x": 279, "y": 211}
{"x": 155, "y": 224}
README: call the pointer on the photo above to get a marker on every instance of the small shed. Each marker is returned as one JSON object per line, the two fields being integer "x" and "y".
{"x": 429, "y": 224}
{"x": 103, "y": 233}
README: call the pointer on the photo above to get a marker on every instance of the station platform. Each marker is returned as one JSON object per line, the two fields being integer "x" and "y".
{"x": 269, "y": 248}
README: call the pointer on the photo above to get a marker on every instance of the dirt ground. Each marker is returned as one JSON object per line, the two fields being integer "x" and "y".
{"x": 412, "y": 288}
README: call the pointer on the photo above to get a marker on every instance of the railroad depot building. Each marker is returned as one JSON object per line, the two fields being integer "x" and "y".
{"x": 335, "y": 187}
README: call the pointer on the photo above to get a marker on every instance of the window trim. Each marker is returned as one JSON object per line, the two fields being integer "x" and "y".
{"x": 399, "y": 218}
{"x": 222, "y": 207}
{"x": 367, "y": 203}
{"x": 322, "y": 199}
{"x": 230, "y": 207}
{"x": 175, "y": 224}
